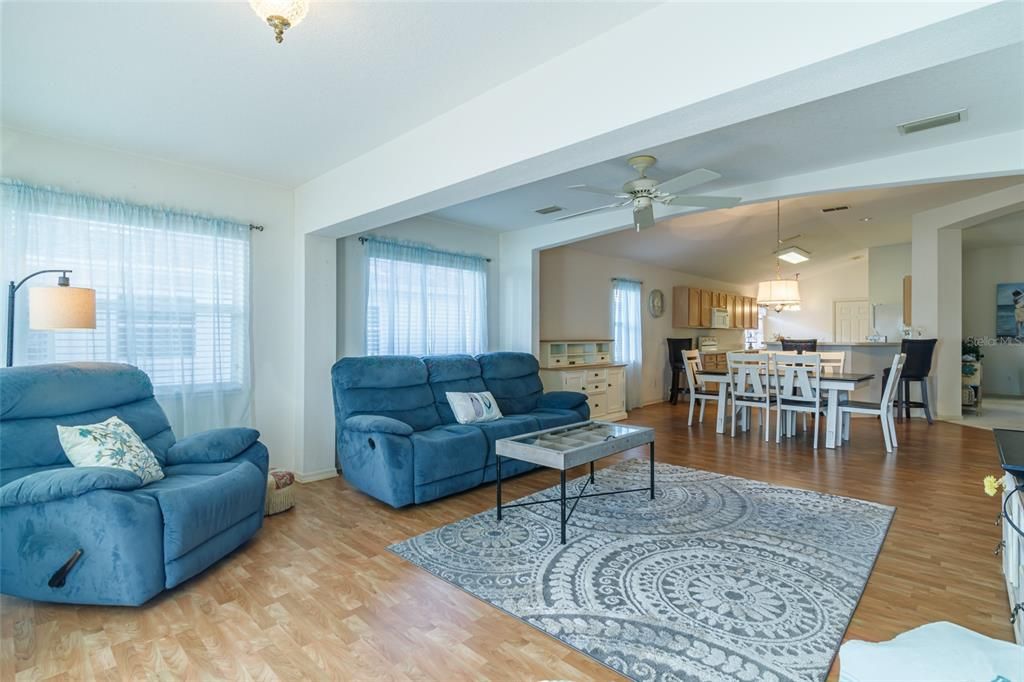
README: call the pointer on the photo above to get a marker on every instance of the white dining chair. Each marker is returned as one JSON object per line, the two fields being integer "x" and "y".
{"x": 797, "y": 390}
{"x": 833, "y": 362}
{"x": 749, "y": 381}
{"x": 699, "y": 390}
{"x": 883, "y": 410}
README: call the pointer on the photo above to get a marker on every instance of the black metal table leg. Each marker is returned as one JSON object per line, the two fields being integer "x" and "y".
{"x": 652, "y": 469}
{"x": 563, "y": 505}
{"x": 498, "y": 457}
{"x": 591, "y": 472}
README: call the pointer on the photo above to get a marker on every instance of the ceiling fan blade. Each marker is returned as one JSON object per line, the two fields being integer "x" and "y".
{"x": 643, "y": 217}
{"x": 687, "y": 180}
{"x": 703, "y": 201}
{"x": 595, "y": 210}
{"x": 598, "y": 190}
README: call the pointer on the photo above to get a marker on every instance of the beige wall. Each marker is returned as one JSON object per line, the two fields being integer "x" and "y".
{"x": 844, "y": 281}
{"x": 1003, "y": 364}
{"x": 575, "y": 303}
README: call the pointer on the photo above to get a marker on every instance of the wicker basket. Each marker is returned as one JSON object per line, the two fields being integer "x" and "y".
{"x": 280, "y": 492}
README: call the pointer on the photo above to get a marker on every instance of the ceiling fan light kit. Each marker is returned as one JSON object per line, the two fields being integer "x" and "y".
{"x": 642, "y": 193}
{"x": 779, "y": 294}
{"x": 794, "y": 255}
{"x": 280, "y": 15}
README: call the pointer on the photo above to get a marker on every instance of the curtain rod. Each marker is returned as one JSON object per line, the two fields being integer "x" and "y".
{"x": 363, "y": 240}
{"x": 258, "y": 228}
{"x": 624, "y": 279}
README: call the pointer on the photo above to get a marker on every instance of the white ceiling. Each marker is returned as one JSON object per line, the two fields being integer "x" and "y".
{"x": 1007, "y": 230}
{"x": 737, "y": 245}
{"x": 204, "y": 83}
{"x": 855, "y": 126}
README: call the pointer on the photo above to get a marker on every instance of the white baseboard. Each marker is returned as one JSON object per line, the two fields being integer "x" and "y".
{"x": 315, "y": 476}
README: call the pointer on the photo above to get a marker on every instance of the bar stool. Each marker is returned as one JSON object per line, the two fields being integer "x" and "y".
{"x": 800, "y": 345}
{"x": 915, "y": 369}
{"x": 676, "y": 347}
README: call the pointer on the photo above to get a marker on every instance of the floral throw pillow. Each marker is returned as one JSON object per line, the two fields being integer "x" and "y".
{"x": 473, "y": 407}
{"x": 111, "y": 443}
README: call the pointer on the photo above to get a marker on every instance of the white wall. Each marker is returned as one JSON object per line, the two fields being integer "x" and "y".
{"x": 983, "y": 269}
{"x": 440, "y": 234}
{"x": 887, "y": 266}
{"x": 818, "y": 291}
{"x": 575, "y": 303}
{"x": 95, "y": 170}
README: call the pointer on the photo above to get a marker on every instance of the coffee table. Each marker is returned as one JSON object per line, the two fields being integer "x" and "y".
{"x": 569, "y": 446}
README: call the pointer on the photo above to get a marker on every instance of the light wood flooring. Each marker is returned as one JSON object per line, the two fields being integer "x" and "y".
{"x": 315, "y": 595}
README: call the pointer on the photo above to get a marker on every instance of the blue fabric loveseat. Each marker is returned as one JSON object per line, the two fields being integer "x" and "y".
{"x": 398, "y": 439}
{"x": 136, "y": 540}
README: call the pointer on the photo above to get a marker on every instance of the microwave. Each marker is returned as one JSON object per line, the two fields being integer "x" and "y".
{"x": 720, "y": 318}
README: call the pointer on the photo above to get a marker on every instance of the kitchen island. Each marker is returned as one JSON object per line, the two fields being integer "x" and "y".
{"x": 861, "y": 356}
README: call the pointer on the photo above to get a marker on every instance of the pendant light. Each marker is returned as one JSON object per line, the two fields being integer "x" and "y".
{"x": 779, "y": 294}
{"x": 280, "y": 15}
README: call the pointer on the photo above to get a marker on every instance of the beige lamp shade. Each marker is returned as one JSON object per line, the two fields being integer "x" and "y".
{"x": 61, "y": 308}
{"x": 778, "y": 292}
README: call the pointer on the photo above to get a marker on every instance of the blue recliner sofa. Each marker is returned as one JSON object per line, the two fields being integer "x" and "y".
{"x": 135, "y": 540}
{"x": 398, "y": 439}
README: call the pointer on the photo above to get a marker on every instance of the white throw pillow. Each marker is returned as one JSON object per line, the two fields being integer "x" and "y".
{"x": 474, "y": 407}
{"x": 111, "y": 443}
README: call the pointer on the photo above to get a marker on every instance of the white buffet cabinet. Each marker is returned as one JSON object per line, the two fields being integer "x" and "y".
{"x": 586, "y": 366}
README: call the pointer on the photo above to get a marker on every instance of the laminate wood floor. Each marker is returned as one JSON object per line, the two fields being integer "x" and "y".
{"x": 315, "y": 595}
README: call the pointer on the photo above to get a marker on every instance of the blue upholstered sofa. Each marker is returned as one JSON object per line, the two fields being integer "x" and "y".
{"x": 135, "y": 540}
{"x": 398, "y": 439}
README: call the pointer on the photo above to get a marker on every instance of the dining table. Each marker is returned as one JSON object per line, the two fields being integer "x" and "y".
{"x": 834, "y": 384}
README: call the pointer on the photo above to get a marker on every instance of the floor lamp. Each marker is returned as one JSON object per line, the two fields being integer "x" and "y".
{"x": 59, "y": 307}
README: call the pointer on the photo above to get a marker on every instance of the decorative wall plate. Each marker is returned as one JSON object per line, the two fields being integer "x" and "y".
{"x": 656, "y": 303}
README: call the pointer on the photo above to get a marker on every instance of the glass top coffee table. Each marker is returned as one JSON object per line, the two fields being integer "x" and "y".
{"x": 565, "y": 447}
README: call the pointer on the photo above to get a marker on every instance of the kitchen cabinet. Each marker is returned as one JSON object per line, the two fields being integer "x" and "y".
{"x": 691, "y": 308}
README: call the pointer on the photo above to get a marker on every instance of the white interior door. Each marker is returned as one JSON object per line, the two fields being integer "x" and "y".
{"x": 852, "y": 320}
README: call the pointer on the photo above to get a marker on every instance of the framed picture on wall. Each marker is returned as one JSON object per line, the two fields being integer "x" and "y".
{"x": 1010, "y": 311}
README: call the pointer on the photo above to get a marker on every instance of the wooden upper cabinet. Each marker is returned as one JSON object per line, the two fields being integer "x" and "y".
{"x": 706, "y": 304}
{"x": 693, "y": 307}
{"x": 751, "y": 313}
{"x": 685, "y": 307}
{"x": 730, "y": 306}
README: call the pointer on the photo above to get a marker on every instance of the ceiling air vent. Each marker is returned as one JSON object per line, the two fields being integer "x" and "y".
{"x": 932, "y": 122}
{"x": 833, "y": 209}
{"x": 548, "y": 209}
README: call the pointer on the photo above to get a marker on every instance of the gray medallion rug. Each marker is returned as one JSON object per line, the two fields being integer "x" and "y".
{"x": 718, "y": 578}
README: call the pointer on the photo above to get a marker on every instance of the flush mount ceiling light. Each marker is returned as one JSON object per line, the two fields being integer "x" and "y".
{"x": 779, "y": 294}
{"x": 794, "y": 255}
{"x": 280, "y": 15}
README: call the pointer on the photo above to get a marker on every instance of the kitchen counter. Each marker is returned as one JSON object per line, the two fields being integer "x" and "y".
{"x": 861, "y": 356}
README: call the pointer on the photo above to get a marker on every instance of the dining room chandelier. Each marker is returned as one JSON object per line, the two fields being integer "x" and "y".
{"x": 779, "y": 294}
{"x": 280, "y": 15}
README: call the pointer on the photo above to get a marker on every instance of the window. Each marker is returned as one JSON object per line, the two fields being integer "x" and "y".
{"x": 627, "y": 331}
{"x": 754, "y": 338}
{"x": 172, "y": 296}
{"x": 420, "y": 301}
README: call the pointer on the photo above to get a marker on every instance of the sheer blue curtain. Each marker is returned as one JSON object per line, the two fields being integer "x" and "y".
{"x": 420, "y": 300}
{"x": 627, "y": 319}
{"x": 172, "y": 296}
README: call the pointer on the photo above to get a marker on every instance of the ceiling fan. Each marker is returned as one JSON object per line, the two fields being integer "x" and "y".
{"x": 643, "y": 191}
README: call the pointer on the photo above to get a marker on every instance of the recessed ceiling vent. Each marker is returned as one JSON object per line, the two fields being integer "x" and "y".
{"x": 548, "y": 209}
{"x": 833, "y": 209}
{"x": 932, "y": 122}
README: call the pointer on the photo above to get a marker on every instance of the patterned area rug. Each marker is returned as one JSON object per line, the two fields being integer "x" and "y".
{"x": 718, "y": 578}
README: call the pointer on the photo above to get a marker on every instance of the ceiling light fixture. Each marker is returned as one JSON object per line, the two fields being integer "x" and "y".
{"x": 280, "y": 15}
{"x": 866, "y": 219}
{"x": 794, "y": 255}
{"x": 779, "y": 294}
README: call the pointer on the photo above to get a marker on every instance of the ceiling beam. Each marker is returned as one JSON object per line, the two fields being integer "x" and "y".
{"x": 675, "y": 71}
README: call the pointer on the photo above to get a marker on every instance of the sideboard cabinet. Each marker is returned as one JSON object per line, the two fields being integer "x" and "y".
{"x": 587, "y": 367}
